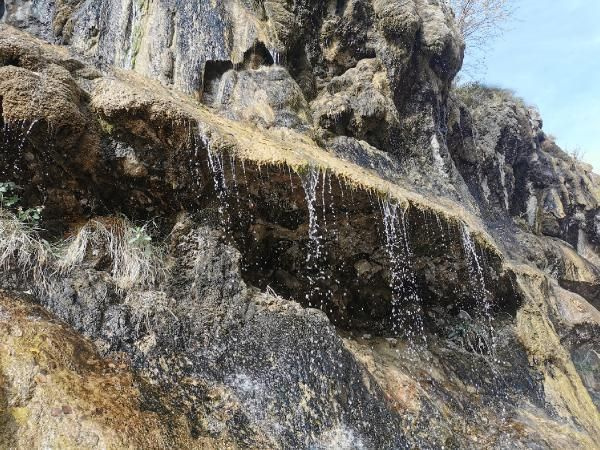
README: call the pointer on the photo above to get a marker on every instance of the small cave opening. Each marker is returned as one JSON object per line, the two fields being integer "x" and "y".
{"x": 211, "y": 80}
{"x": 371, "y": 270}
{"x": 300, "y": 68}
{"x": 10, "y": 60}
{"x": 258, "y": 55}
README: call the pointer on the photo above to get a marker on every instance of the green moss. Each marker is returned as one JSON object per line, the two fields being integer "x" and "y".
{"x": 20, "y": 415}
{"x": 138, "y": 32}
{"x": 107, "y": 127}
{"x": 306, "y": 168}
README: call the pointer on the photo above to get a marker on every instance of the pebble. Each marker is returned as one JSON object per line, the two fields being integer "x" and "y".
{"x": 40, "y": 378}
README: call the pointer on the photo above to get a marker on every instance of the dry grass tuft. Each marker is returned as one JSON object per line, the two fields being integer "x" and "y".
{"x": 22, "y": 248}
{"x": 134, "y": 260}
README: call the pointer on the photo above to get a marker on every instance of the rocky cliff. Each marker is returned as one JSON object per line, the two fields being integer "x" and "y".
{"x": 276, "y": 224}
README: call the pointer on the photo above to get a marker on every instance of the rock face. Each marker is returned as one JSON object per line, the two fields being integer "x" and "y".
{"x": 272, "y": 224}
{"x": 515, "y": 170}
{"x": 57, "y": 391}
{"x": 406, "y": 53}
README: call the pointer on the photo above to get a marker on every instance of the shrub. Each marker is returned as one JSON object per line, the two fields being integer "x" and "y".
{"x": 474, "y": 94}
{"x": 135, "y": 261}
{"x": 8, "y": 196}
{"x": 151, "y": 312}
{"x": 481, "y": 20}
{"x": 479, "y": 23}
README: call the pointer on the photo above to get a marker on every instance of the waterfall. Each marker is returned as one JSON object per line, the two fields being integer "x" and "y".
{"x": 475, "y": 268}
{"x": 501, "y": 164}
{"x": 477, "y": 280}
{"x": 314, "y": 264}
{"x": 438, "y": 161}
{"x": 276, "y": 56}
{"x": 407, "y": 316}
{"x": 134, "y": 29}
{"x": 310, "y": 181}
{"x": 217, "y": 168}
{"x": 15, "y": 133}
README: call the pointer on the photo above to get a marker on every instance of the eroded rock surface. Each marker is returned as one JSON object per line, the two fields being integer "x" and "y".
{"x": 58, "y": 392}
{"x": 277, "y": 228}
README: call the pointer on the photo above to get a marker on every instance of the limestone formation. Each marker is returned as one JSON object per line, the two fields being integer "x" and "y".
{"x": 275, "y": 224}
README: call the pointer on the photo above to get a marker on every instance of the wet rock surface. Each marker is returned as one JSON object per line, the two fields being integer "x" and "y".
{"x": 285, "y": 365}
{"x": 58, "y": 391}
{"x": 282, "y": 230}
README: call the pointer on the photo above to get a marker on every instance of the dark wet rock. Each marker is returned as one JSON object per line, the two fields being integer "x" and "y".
{"x": 270, "y": 353}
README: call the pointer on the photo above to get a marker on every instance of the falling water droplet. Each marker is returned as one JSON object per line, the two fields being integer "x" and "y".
{"x": 407, "y": 316}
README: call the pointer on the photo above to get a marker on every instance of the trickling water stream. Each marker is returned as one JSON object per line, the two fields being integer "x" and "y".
{"x": 133, "y": 33}
{"x": 310, "y": 182}
{"x": 480, "y": 292}
{"x": 477, "y": 278}
{"x": 341, "y": 270}
{"x": 407, "y": 316}
{"x": 15, "y": 140}
{"x": 276, "y": 56}
{"x": 217, "y": 168}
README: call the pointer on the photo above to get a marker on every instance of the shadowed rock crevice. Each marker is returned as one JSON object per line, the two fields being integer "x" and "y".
{"x": 213, "y": 72}
{"x": 587, "y": 361}
{"x": 257, "y": 55}
{"x": 589, "y": 291}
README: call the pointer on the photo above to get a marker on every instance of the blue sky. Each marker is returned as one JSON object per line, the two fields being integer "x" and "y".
{"x": 550, "y": 56}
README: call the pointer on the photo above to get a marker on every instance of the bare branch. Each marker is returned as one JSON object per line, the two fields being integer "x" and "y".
{"x": 480, "y": 22}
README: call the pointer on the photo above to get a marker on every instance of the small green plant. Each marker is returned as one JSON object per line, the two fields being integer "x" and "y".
{"x": 8, "y": 197}
{"x": 30, "y": 215}
{"x": 139, "y": 237}
{"x": 21, "y": 247}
